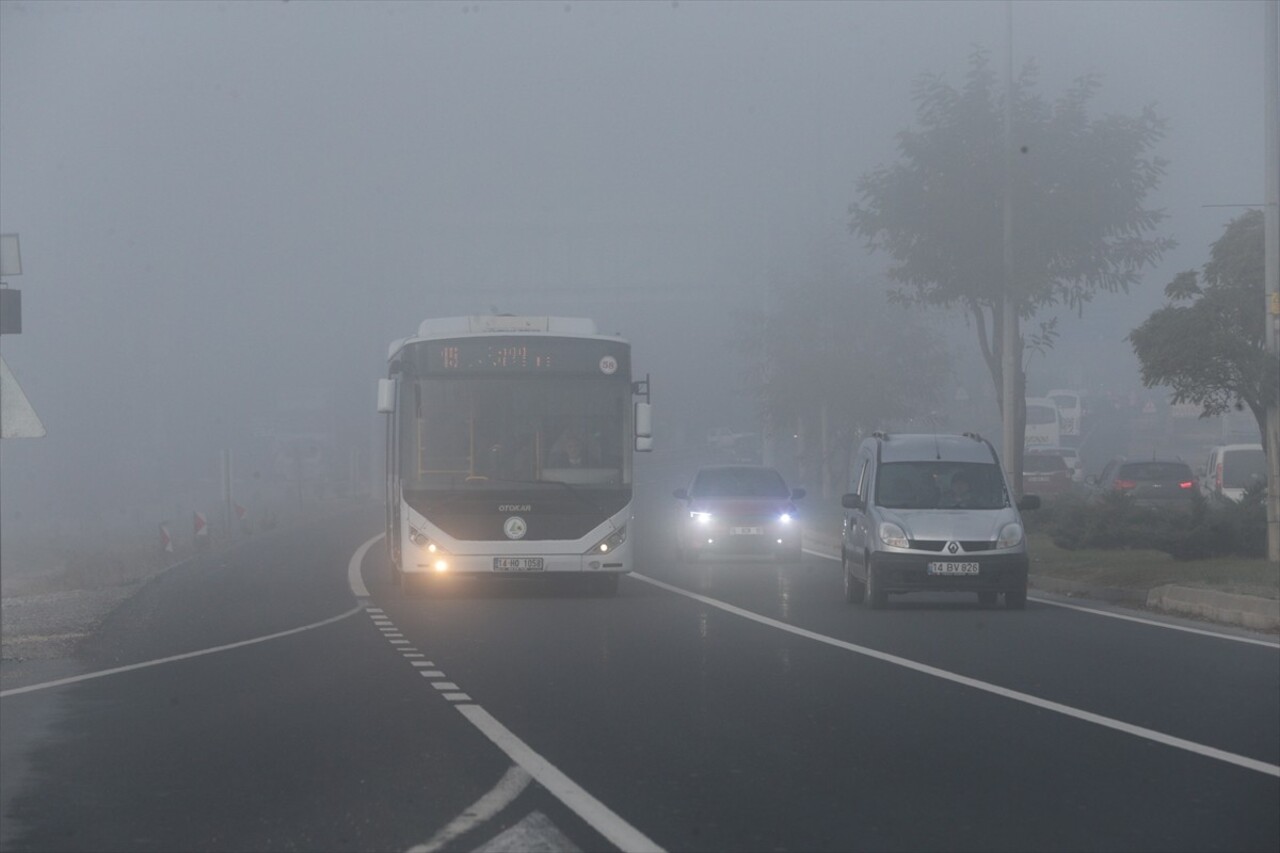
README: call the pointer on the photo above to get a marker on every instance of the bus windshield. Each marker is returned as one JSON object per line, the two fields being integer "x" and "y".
{"x": 490, "y": 432}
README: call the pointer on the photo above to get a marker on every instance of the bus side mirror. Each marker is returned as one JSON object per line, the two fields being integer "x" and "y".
{"x": 386, "y": 396}
{"x": 644, "y": 427}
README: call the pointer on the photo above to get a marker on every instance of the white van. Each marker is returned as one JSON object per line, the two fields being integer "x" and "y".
{"x": 1044, "y": 428}
{"x": 1231, "y": 469}
{"x": 1070, "y": 410}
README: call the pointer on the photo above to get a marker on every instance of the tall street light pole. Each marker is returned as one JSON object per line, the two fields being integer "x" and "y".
{"x": 1009, "y": 357}
{"x": 1271, "y": 224}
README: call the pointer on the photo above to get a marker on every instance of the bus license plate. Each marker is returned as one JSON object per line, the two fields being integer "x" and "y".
{"x": 953, "y": 568}
{"x": 517, "y": 564}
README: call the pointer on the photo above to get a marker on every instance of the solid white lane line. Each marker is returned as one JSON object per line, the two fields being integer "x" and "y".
{"x": 1155, "y": 623}
{"x": 512, "y": 783}
{"x": 1126, "y": 617}
{"x": 30, "y": 688}
{"x": 600, "y": 817}
{"x": 1067, "y": 710}
{"x": 354, "y": 579}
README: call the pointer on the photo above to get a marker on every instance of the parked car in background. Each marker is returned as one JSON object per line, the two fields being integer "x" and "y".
{"x": 1045, "y": 474}
{"x": 1153, "y": 483}
{"x": 1043, "y": 427}
{"x": 1069, "y": 455}
{"x": 1231, "y": 469}
{"x": 738, "y": 509}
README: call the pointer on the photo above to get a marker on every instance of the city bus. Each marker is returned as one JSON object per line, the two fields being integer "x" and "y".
{"x": 1070, "y": 411}
{"x": 510, "y": 442}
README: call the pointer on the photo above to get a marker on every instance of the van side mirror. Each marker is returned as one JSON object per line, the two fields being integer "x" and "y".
{"x": 852, "y": 501}
{"x": 797, "y": 494}
{"x": 1029, "y": 502}
{"x": 681, "y": 494}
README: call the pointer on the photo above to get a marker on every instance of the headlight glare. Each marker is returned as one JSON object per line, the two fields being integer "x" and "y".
{"x": 700, "y": 517}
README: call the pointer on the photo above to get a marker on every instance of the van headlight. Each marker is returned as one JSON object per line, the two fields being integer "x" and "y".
{"x": 610, "y": 542}
{"x": 892, "y": 535}
{"x": 1010, "y": 535}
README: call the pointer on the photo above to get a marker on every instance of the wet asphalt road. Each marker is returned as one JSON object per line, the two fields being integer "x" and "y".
{"x": 696, "y": 726}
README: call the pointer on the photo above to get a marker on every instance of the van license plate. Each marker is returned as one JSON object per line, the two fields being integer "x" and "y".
{"x": 517, "y": 564}
{"x": 746, "y": 531}
{"x": 953, "y": 568}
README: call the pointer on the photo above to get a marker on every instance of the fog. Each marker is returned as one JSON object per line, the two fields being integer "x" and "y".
{"x": 228, "y": 210}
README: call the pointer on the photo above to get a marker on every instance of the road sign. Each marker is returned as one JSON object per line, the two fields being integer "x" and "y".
{"x": 17, "y": 418}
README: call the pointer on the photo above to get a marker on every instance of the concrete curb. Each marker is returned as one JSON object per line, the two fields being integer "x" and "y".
{"x": 1251, "y": 611}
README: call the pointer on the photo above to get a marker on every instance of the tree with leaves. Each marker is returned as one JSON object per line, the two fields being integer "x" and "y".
{"x": 1209, "y": 343}
{"x": 1077, "y": 185}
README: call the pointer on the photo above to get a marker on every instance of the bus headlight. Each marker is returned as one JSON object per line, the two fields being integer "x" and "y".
{"x": 430, "y": 553}
{"x": 610, "y": 542}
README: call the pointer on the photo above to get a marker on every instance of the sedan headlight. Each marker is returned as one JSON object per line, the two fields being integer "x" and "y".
{"x": 610, "y": 542}
{"x": 892, "y": 535}
{"x": 1010, "y": 535}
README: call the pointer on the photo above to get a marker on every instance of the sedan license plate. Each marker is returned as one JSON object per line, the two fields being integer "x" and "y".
{"x": 517, "y": 564}
{"x": 746, "y": 531}
{"x": 953, "y": 568}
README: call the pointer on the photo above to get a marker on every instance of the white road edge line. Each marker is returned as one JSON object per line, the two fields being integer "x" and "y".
{"x": 1057, "y": 707}
{"x": 515, "y": 780}
{"x": 30, "y": 688}
{"x": 1152, "y": 622}
{"x": 596, "y": 814}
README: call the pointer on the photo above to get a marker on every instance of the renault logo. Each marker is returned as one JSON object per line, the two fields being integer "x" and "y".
{"x": 953, "y": 547}
{"x": 514, "y": 527}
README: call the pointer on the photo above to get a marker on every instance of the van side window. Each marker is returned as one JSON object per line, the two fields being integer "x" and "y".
{"x": 855, "y": 482}
{"x": 865, "y": 479}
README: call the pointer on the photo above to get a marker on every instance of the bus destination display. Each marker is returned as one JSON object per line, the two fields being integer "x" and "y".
{"x": 522, "y": 355}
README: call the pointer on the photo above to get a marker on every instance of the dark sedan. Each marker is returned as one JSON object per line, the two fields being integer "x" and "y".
{"x": 1152, "y": 483}
{"x": 738, "y": 509}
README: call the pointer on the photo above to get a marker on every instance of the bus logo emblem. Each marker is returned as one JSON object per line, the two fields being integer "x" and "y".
{"x": 515, "y": 528}
{"x": 608, "y": 365}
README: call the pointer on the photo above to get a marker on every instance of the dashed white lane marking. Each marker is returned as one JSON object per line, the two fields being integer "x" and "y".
{"x": 512, "y": 783}
{"x": 432, "y": 673}
{"x": 596, "y": 814}
{"x": 30, "y": 688}
{"x": 1155, "y": 623}
{"x": 1066, "y": 710}
{"x": 420, "y": 662}
{"x": 600, "y": 817}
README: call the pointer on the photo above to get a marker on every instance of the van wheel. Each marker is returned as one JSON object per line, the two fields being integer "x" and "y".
{"x": 877, "y": 598}
{"x": 1016, "y": 599}
{"x": 987, "y": 599}
{"x": 854, "y": 590}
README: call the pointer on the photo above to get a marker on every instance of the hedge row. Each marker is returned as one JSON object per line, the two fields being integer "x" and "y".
{"x": 1208, "y": 529}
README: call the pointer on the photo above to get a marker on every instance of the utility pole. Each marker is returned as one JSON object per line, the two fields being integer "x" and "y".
{"x": 1271, "y": 226}
{"x": 1012, "y": 445}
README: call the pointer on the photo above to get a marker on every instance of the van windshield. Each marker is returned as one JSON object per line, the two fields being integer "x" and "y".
{"x": 941, "y": 485}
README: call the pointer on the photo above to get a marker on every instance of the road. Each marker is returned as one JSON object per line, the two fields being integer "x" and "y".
{"x": 723, "y": 706}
